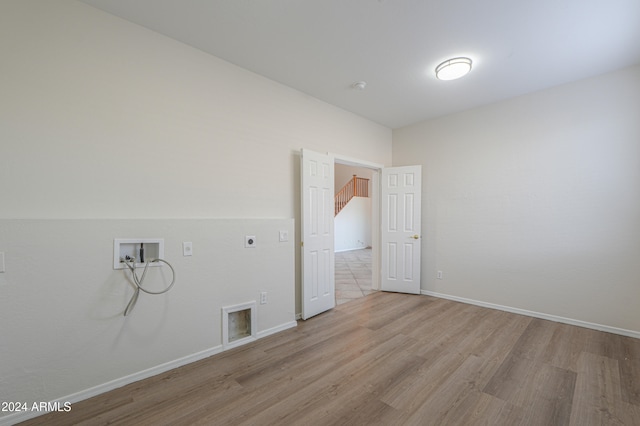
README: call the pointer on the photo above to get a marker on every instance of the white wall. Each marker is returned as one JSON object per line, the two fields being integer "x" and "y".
{"x": 64, "y": 331}
{"x": 534, "y": 203}
{"x": 352, "y": 226}
{"x": 103, "y": 119}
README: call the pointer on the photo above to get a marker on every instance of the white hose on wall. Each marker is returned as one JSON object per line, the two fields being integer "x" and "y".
{"x": 130, "y": 262}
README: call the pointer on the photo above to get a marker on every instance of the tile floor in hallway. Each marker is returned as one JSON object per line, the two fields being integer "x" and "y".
{"x": 353, "y": 275}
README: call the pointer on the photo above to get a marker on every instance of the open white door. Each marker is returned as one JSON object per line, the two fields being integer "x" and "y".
{"x": 318, "y": 281}
{"x": 400, "y": 220}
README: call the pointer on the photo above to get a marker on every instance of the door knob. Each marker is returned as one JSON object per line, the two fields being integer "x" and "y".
{"x": 415, "y": 237}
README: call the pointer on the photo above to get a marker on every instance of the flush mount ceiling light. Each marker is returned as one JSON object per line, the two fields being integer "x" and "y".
{"x": 453, "y": 68}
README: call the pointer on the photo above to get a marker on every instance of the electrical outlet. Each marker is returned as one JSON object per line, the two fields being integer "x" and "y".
{"x": 263, "y": 298}
{"x": 250, "y": 241}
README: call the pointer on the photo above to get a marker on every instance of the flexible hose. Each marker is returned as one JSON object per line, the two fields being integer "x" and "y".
{"x": 138, "y": 281}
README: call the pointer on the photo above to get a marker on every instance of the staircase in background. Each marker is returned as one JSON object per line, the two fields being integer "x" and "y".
{"x": 356, "y": 187}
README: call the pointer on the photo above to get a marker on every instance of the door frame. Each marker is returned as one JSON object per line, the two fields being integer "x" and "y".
{"x": 376, "y": 240}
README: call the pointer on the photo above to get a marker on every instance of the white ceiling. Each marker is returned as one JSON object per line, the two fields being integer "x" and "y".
{"x": 321, "y": 47}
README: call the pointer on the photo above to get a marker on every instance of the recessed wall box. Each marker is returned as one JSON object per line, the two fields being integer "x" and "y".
{"x": 238, "y": 324}
{"x": 140, "y": 249}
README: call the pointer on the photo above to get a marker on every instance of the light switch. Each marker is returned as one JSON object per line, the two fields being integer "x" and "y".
{"x": 187, "y": 249}
{"x": 1, "y": 261}
{"x": 284, "y": 236}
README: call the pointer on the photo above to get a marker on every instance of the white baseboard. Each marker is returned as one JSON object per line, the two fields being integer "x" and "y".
{"x": 274, "y": 330}
{"x": 18, "y": 417}
{"x": 570, "y": 321}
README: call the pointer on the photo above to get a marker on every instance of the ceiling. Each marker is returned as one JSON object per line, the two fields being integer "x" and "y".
{"x": 321, "y": 47}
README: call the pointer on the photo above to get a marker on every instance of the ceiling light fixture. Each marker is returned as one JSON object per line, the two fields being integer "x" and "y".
{"x": 453, "y": 68}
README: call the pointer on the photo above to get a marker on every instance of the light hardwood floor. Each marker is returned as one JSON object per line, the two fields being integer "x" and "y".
{"x": 393, "y": 359}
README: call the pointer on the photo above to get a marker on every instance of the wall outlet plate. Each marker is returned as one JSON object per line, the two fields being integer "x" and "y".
{"x": 284, "y": 236}
{"x": 249, "y": 241}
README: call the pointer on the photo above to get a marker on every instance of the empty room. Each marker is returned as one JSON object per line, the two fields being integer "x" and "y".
{"x": 171, "y": 251}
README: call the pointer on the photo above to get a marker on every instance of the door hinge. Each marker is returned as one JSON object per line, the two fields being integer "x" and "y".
{"x": 301, "y": 243}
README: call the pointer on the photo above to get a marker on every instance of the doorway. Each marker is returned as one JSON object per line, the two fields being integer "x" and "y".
{"x": 353, "y": 227}
{"x": 396, "y": 203}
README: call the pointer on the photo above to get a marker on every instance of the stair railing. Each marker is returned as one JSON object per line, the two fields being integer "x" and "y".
{"x": 356, "y": 187}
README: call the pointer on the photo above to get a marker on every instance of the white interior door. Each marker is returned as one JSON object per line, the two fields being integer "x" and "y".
{"x": 401, "y": 221}
{"x": 318, "y": 281}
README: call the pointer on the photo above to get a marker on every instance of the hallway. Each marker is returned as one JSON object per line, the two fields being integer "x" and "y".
{"x": 353, "y": 275}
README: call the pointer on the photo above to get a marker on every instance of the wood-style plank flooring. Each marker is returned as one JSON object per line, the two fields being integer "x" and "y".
{"x": 393, "y": 359}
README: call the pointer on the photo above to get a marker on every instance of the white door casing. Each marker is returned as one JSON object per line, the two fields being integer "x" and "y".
{"x": 400, "y": 234}
{"x": 317, "y": 187}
